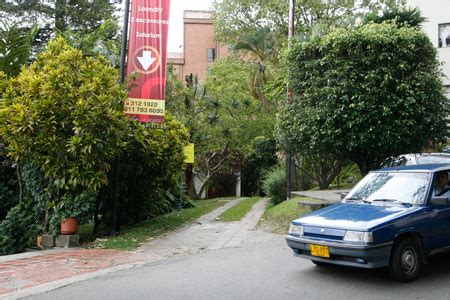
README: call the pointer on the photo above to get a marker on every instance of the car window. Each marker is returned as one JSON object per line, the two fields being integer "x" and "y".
{"x": 399, "y": 186}
{"x": 432, "y": 159}
{"x": 441, "y": 186}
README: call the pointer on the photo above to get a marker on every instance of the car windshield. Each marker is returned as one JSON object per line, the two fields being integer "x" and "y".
{"x": 400, "y": 187}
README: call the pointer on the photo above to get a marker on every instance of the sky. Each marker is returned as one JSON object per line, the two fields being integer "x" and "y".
{"x": 176, "y": 20}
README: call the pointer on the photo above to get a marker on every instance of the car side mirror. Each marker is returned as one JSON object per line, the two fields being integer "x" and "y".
{"x": 436, "y": 201}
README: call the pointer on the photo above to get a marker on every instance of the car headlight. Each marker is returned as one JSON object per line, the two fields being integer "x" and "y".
{"x": 296, "y": 229}
{"x": 358, "y": 236}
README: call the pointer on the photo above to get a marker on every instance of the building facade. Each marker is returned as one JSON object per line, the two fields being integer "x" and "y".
{"x": 437, "y": 26}
{"x": 200, "y": 48}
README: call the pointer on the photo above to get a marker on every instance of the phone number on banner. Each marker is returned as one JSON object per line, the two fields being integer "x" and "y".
{"x": 136, "y": 106}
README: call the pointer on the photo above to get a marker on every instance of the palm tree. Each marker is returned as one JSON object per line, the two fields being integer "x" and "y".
{"x": 402, "y": 15}
{"x": 15, "y": 47}
{"x": 260, "y": 45}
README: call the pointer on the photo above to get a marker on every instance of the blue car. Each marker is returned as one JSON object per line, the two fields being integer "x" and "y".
{"x": 394, "y": 217}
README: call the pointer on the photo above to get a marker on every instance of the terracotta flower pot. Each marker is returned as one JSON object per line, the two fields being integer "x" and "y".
{"x": 69, "y": 226}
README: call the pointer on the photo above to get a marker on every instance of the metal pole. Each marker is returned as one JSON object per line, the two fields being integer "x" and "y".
{"x": 122, "y": 80}
{"x": 289, "y": 99}
{"x": 124, "y": 41}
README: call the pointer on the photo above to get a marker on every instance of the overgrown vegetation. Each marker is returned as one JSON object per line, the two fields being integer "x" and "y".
{"x": 63, "y": 126}
{"x": 275, "y": 184}
{"x": 334, "y": 113}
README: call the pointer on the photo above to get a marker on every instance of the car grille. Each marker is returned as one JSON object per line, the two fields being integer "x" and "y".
{"x": 324, "y": 233}
{"x": 324, "y": 236}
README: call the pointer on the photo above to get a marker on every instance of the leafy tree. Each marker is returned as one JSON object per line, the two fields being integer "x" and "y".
{"x": 261, "y": 47}
{"x": 222, "y": 117}
{"x": 103, "y": 40}
{"x": 259, "y": 158}
{"x": 233, "y": 18}
{"x": 398, "y": 12}
{"x": 365, "y": 94}
{"x": 15, "y": 47}
{"x": 77, "y": 16}
{"x": 64, "y": 115}
{"x": 150, "y": 168}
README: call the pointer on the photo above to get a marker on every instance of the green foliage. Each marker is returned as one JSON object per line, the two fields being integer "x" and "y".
{"x": 19, "y": 228}
{"x": 103, "y": 40}
{"x": 57, "y": 17}
{"x": 400, "y": 13}
{"x": 258, "y": 160}
{"x": 150, "y": 169}
{"x": 364, "y": 95}
{"x": 9, "y": 187}
{"x": 348, "y": 177}
{"x": 274, "y": 184}
{"x": 15, "y": 47}
{"x": 234, "y": 18}
{"x": 221, "y": 117}
{"x": 320, "y": 168}
{"x": 64, "y": 114}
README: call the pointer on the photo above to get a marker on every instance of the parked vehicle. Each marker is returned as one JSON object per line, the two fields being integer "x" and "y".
{"x": 417, "y": 159}
{"x": 446, "y": 149}
{"x": 389, "y": 219}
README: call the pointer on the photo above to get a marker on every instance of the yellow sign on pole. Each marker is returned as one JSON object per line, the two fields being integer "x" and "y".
{"x": 189, "y": 154}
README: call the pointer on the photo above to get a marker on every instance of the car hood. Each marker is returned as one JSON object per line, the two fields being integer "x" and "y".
{"x": 355, "y": 216}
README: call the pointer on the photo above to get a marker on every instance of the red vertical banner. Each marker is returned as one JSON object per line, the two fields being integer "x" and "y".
{"x": 147, "y": 52}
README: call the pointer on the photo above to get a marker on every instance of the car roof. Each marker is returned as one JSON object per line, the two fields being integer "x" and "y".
{"x": 417, "y": 168}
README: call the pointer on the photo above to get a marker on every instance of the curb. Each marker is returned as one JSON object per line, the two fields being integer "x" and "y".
{"x": 10, "y": 257}
{"x": 67, "y": 281}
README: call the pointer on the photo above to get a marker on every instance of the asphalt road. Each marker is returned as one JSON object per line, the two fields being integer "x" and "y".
{"x": 262, "y": 268}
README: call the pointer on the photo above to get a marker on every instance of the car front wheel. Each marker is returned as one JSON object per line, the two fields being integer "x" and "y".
{"x": 406, "y": 261}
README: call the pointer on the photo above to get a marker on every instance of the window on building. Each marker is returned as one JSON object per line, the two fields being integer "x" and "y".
{"x": 444, "y": 35}
{"x": 211, "y": 54}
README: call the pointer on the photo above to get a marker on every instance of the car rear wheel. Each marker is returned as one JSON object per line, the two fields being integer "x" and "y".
{"x": 406, "y": 260}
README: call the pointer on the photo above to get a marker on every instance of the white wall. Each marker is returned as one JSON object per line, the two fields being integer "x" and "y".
{"x": 437, "y": 12}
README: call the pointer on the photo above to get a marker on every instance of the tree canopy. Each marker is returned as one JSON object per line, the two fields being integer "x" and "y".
{"x": 233, "y": 18}
{"x": 365, "y": 94}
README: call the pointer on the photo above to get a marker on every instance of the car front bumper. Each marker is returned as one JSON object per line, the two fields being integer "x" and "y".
{"x": 345, "y": 254}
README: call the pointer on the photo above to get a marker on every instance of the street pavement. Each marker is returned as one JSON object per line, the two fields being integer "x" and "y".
{"x": 212, "y": 260}
{"x": 263, "y": 267}
{"x": 32, "y": 273}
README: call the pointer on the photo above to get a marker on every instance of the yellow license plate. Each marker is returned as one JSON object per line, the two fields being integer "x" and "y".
{"x": 318, "y": 250}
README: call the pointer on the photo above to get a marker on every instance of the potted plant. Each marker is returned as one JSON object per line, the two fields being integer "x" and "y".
{"x": 73, "y": 208}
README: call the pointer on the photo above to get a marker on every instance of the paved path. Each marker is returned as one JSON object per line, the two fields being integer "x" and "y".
{"x": 205, "y": 234}
{"x": 33, "y": 273}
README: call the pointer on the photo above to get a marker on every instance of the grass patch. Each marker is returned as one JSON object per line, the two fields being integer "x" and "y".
{"x": 238, "y": 211}
{"x": 133, "y": 236}
{"x": 276, "y": 218}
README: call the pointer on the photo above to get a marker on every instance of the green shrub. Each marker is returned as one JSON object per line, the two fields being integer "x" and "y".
{"x": 274, "y": 184}
{"x": 9, "y": 187}
{"x": 19, "y": 228}
{"x": 150, "y": 170}
{"x": 258, "y": 161}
